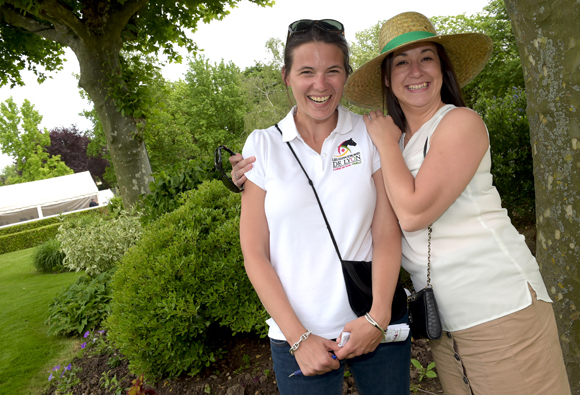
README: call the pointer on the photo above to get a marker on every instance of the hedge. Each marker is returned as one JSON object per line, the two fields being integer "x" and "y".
{"x": 41, "y": 222}
{"x": 28, "y": 238}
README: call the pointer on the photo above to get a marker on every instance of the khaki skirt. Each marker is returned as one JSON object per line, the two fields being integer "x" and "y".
{"x": 518, "y": 354}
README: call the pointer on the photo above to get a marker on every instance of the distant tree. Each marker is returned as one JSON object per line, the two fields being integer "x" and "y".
{"x": 267, "y": 99}
{"x": 213, "y": 106}
{"x": 7, "y": 173}
{"x": 72, "y": 145}
{"x": 21, "y": 139}
{"x": 365, "y": 46}
{"x": 504, "y": 69}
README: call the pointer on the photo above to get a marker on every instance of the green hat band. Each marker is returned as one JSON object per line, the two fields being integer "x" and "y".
{"x": 405, "y": 38}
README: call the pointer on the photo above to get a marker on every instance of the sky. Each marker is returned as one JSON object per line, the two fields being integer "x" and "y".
{"x": 240, "y": 38}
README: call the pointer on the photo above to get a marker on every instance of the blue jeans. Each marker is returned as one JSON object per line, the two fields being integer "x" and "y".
{"x": 385, "y": 371}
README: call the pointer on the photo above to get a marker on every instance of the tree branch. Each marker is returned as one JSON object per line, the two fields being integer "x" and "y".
{"x": 15, "y": 18}
{"x": 56, "y": 12}
{"x": 119, "y": 19}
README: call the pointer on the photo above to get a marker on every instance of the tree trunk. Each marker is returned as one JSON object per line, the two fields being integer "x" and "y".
{"x": 548, "y": 36}
{"x": 99, "y": 64}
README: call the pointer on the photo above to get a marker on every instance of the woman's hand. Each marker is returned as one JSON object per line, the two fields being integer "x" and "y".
{"x": 314, "y": 357}
{"x": 382, "y": 129}
{"x": 364, "y": 338}
{"x": 240, "y": 167}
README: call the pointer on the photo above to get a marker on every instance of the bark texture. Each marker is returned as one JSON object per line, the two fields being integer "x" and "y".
{"x": 548, "y": 35}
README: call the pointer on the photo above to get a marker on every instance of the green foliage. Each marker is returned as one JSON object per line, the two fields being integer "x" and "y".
{"x": 20, "y": 138}
{"x": 8, "y": 172}
{"x": 169, "y": 141}
{"x": 28, "y": 226}
{"x": 27, "y": 239}
{"x": 22, "y": 50}
{"x": 97, "y": 147}
{"x": 266, "y": 96}
{"x": 213, "y": 107}
{"x": 43, "y": 222}
{"x": 131, "y": 88}
{"x": 165, "y": 191}
{"x": 424, "y": 371}
{"x": 365, "y": 46}
{"x": 115, "y": 206}
{"x": 48, "y": 258}
{"x": 504, "y": 69}
{"x": 184, "y": 277}
{"x": 511, "y": 154}
{"x": 153, "y": 28}
{"x": 95, "y": 244}
{"x": 81, "y": 306}
{"x": 110, "y": 384}
{"x": 68, "y": 379}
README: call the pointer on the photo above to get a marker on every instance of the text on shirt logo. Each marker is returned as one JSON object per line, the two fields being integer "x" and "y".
{"x": 345, "y": 157}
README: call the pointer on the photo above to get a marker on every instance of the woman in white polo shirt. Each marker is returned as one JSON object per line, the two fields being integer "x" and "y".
{"x": 288, "y": 253}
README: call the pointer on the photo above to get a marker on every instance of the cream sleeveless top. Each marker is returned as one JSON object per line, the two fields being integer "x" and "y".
{"x": 480, "y": 264}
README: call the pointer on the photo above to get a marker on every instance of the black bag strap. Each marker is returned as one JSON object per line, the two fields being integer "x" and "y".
{"x": 317, "y": 199}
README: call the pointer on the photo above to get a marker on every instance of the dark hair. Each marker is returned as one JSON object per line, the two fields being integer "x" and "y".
{"x": 315, "y": 34}
{"x": 450, "y": 91}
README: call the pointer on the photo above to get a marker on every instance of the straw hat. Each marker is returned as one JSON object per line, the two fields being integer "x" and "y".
{"x": 468, "y": 52}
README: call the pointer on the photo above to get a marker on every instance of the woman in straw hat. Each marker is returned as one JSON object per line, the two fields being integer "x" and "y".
{"x": 288, "y": 254}
{"x": 500, "y": 333}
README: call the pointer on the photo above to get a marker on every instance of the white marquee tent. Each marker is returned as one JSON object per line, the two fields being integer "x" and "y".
{"x": 44, "y": 198}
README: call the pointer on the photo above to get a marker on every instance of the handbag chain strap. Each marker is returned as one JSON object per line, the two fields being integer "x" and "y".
{"x": 316, "y": 195}
{"x": 429, "y": 236}
{"x": 429, "y": 259}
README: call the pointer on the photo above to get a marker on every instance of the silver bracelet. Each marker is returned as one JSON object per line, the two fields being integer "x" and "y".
{"x": 297, "y": 344}
{"x": 374, "y": 323}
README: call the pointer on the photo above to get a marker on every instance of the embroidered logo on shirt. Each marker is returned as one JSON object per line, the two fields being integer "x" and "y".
{"x": 345, "y": 157}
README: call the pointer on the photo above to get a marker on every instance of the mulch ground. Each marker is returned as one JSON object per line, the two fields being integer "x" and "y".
{"x": 246, "y": 369}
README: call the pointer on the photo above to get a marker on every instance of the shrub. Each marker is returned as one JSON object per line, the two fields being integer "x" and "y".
{"x": 95, "y": 244}
{"x": 48, "y": 257}
{"x": 511, "y": 153}
{"x": 185, "y": 274}
{"x": 167, "y": 187}
{"x": 27, "y": 239}
{"x": 81, "y": 306}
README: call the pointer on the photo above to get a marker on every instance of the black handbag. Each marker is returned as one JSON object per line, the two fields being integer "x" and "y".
{"x": 358, "y": 274}
{"x": 423, "y": 314}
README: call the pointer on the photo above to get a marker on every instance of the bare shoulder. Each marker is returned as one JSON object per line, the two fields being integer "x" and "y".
{"x": 462, "y": 117}
{"x": 462, "y": 128}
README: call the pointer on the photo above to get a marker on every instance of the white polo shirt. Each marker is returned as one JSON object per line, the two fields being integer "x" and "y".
{"x": 301, "y": 250}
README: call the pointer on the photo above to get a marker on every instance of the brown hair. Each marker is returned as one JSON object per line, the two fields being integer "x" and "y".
{"x": 450, "y": 91}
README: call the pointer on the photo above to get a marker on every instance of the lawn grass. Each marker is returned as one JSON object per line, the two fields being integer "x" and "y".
{"x": 27, "y": 353}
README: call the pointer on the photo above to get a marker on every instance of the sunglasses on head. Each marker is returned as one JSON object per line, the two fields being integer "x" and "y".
{"x": 219, "y": 167}
{"x": 304, "y": 25}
